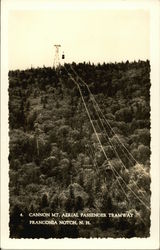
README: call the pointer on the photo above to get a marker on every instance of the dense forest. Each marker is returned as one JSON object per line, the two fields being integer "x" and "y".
{"x": 56, "y": 162}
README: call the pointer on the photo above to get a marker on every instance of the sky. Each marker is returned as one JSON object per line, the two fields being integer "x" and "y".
{"x": 84, "y": 35}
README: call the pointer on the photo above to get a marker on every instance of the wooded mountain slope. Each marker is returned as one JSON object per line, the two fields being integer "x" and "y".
{"x": 56, "y": 162}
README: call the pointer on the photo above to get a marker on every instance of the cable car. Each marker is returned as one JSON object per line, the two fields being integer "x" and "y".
{"x": 63, "y": 56}
{"x": 108, "y": 168}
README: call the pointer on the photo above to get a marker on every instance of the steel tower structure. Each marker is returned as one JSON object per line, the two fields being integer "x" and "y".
{"x": 56, "y": 57}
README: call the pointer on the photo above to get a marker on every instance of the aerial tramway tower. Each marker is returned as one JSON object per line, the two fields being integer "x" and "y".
{"x": 57, "y": 63}
{"x": 56, "y": 57}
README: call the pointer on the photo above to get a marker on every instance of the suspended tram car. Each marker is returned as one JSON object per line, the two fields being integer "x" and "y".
{"x": 63, "y": 56}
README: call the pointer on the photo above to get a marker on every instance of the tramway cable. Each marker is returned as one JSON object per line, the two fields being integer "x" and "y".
{"x": 113, "y": 169}
{"x": 106, "y": 131}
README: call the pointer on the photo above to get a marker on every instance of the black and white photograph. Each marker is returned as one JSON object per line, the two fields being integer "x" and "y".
{"x": 79, "y": 122}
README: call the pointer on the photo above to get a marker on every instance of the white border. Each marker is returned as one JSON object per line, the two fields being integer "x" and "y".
{"x": 135, "y": 243}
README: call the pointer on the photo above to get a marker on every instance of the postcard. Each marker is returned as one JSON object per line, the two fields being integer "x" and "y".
{"x": 80, "y": 124}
